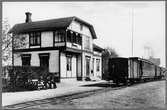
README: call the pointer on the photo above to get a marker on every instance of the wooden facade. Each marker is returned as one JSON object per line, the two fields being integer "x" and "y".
{"x": 67, "y": 52}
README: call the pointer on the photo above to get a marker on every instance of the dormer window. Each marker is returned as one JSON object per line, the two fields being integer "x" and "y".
{"x": 35, "y": 38}
{"x": 81, "y": 27}
{"x": 87, "y": 42}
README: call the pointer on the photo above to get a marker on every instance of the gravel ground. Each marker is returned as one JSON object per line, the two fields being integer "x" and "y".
{"x": 150, "y": 94}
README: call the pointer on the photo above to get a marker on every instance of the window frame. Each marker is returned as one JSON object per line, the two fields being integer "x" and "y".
{"x": 81, "y": 27}
{"x": 87, "y": 43}
{"x": 25, "y": 58}
{"x": 74, "y": 37}
{"x": 79, "y": 39}
{"x": 69, "y": 63}
{"x": 60, "y": 36}
{"x": 42, "y": 58}
{"x": 69, "y": 36}
{"x": 35, "y": 39}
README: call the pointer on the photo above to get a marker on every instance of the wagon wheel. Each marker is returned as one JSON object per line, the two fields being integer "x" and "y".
{"x": 132, "y": 81}
{"x": 126, "y": 83}
{"x": 49, "y": 85}
{"x": 117, "y": 83}
{"x": 52, "y": 85}
{"x": 45, "y": 85}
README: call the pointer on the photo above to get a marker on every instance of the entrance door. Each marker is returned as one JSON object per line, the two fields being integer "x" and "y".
{"x": 69, "y": 66}
{"x": 92, "y": 71}
{"x": 87, "y": 66}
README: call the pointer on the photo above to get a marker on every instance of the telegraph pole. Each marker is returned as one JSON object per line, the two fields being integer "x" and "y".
{"x": 132, "y": 28}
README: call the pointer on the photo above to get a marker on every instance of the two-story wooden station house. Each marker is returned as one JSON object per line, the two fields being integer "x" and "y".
{"x": 64, "y": 45}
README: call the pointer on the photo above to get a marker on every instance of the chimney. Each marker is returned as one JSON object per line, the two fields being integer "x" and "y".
{"x": 28, "y": 17}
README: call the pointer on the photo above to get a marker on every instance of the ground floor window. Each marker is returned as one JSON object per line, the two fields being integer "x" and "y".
{"x": 97, "y": 65}
{"x": 26, "y": 59}
{"x": 44, "y": 59}
{"x": 69, "y": 63}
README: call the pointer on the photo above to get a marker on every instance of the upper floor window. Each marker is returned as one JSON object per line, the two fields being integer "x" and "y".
{"x": 74, "y": 38}
{"x": 69, "y": 36}
{"x": 87, "y": 42}
{"x": 79, "y": 39}
{"x": 59, "y": 36}
{"x": 35, "y": 38}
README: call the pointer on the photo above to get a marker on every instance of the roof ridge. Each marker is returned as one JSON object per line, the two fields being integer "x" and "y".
{"x": 46, "y": 20}
{"x": 49, "y": 24}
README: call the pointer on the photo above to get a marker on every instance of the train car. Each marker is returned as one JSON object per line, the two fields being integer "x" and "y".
{"x": 118, "y": 70}
{"x": 158, "y": 72}
{"x": 125, "y": 70}
{"x": 148, "y": 70}
{"x": 163, "y": 73}
{"x": 132, "y": 69}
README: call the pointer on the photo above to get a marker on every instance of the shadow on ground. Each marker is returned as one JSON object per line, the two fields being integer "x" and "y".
{"x": 110, "y": 84}
{"x": 102, "y": 85}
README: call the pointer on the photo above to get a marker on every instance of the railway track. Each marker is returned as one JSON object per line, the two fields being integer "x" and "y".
{"x": 61, "y": 99}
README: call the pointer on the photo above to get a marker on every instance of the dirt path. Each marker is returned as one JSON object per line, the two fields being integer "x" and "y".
{"x": 151, "y": 94}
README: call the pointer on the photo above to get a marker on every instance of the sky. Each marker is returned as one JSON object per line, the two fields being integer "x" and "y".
{"x": 114, "y": 22}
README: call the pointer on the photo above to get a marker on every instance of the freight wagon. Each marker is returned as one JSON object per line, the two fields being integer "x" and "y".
{"x": 132, "y": 69}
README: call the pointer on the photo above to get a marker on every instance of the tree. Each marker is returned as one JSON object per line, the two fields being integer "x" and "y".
{"x": 18, "y": 41}
{"x": 6, "y": 43}
{"x": 106, "y": 54}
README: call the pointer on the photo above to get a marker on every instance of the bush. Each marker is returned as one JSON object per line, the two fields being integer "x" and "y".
{"x": 19, "y": 78}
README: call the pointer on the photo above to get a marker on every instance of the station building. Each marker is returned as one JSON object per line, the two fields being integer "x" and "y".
{"x": 64, "y": 45}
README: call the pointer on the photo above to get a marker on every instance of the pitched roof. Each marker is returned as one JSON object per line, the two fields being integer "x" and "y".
{"x": 97, "y": 48}
{"x": 47, "y": 25}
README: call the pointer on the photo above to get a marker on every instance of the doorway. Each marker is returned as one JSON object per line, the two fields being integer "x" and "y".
{"x": 69, "y": 66}
{"x": 87, "y": 66}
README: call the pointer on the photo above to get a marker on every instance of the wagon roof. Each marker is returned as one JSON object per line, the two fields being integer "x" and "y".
{"x": 119, "y": 58}
{"x": 141, "y": 59}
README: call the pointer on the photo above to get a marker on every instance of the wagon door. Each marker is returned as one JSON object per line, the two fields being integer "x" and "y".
{"x": 134, "y": 69}
{"x": 119, "y": 69}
